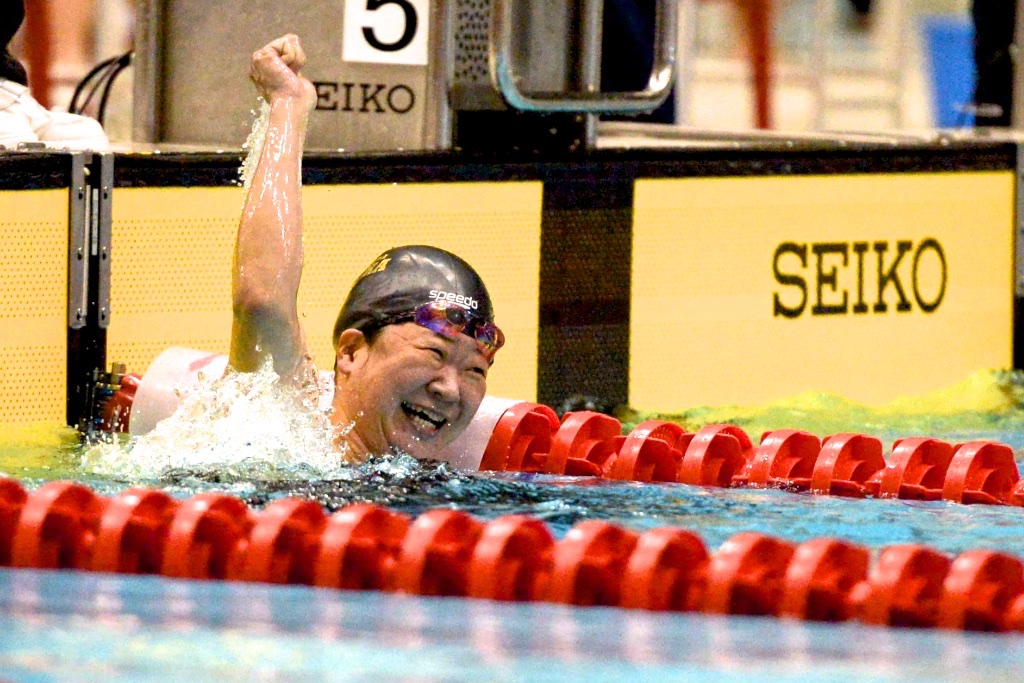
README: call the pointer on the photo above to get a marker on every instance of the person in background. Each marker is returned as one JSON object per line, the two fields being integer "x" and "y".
{"x": 10, "y": 21}
{"x": 415, "y": 337}
{"x": 22, "y": 119}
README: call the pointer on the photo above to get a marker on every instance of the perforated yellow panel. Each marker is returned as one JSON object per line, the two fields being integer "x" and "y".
{"x": 33, "y": 305}
{"x": 170, "y": 279}
{"x": 172, "y": 249}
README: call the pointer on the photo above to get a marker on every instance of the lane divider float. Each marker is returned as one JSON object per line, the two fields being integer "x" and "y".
{"x": 445, "y": 552}
{"x": 530, "y": 438}
{"x": 518, "y": 436}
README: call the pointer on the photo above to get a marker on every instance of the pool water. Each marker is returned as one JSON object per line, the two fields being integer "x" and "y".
{"x": 72, "y": 626}
{"x": 65, "y": 626}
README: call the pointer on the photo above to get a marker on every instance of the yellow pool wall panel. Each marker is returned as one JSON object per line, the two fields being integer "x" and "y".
{"x": 172, "y": 250}
{"x": 747, "y": 290}
{"x": 170, "y": 271}
{"x": 33, "y": 306}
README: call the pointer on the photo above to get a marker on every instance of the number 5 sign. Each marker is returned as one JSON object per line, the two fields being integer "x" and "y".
{"x": 386, "y": 31}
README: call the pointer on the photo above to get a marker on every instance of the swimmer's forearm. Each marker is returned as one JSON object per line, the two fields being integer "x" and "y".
{"x": 268, "y": 251}
{"x": 269, "y": 247}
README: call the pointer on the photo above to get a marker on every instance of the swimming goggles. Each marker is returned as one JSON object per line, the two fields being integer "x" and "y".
{"x": 449, "y": 319}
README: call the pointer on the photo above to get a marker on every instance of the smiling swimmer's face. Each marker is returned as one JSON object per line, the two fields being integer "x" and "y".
{"x": 411, "y": 389}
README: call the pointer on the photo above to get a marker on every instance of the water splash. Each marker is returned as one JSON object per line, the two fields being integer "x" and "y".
{"x": 253, "y": 144}
{"x": 986, "y": 405}
{"x": 241, "y": 426}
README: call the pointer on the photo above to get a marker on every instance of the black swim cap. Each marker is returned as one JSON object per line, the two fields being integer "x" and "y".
{"x": 403, "y": 278}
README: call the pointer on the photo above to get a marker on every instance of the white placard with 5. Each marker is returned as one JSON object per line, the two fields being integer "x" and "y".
{"x": 386, "y": 31}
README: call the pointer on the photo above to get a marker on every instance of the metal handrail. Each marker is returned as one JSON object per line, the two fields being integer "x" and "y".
{"x": 658, "y": 87}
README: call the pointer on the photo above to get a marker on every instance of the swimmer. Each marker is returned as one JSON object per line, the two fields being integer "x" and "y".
{"x": 415, "y": 337}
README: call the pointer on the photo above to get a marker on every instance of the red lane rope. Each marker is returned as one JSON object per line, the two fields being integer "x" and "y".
{"x": 528, "y": 438}
{"x": 448, "y": 552}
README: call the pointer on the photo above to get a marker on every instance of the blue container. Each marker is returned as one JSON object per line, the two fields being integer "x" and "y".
{"x": 949, "y": 47}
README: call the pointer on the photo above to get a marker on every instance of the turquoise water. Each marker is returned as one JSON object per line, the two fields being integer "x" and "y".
{"x": 57, "y": 626}
{"x": 412, "y": 487}
{"x": 64, "y": 626}
{"x": 716, "y": 514}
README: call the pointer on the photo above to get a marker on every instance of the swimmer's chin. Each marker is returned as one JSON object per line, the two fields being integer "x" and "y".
{"x": 354, "y": 458}
{"x": 352, "y": 452}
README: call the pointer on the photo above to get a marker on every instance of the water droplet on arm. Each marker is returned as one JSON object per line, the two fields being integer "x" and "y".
{"x": 254, "y": 143}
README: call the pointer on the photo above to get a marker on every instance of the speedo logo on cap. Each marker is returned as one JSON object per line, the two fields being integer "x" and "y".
{"x": 467, "y": 301}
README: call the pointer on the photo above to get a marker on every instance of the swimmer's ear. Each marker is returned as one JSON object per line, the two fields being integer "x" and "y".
{"x": 350, "y": 351}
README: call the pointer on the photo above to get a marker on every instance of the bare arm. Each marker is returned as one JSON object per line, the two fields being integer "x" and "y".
{"x": 268, "y": 250}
